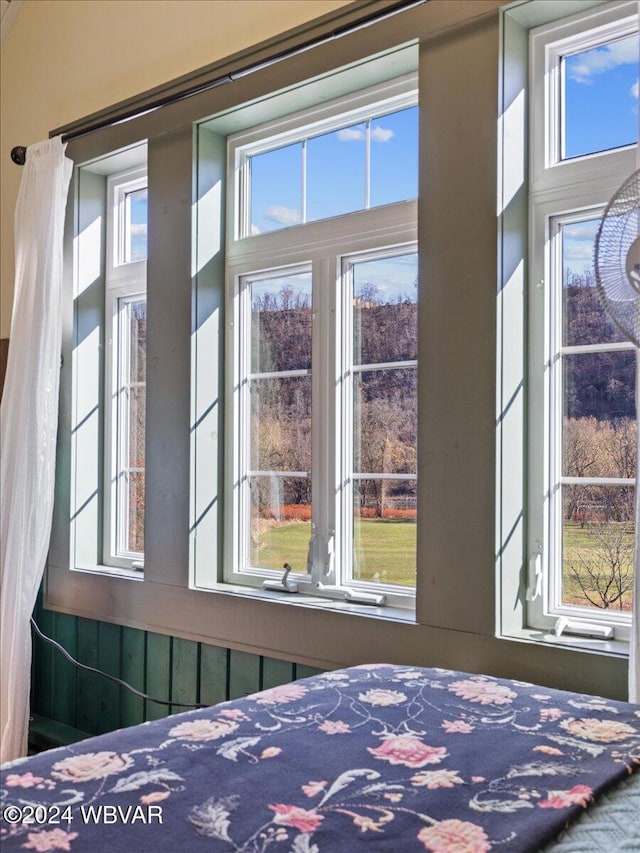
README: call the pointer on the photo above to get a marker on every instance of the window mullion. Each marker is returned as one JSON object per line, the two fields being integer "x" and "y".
{"x": 244, "y": 420}
{"x": 323, "y": 568}
{"x": 367, "y": 167}
{"x": 303, "y": 179}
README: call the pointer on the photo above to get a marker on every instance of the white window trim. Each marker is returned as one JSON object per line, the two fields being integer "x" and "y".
{"x": 390, "y": 96}
{"x": 549, "y": 43}
{"x": 118, "y": 187}
{"x": 320, "y": 246}
{"x": 125, "y": 282}
{"x": 560, "y": 191}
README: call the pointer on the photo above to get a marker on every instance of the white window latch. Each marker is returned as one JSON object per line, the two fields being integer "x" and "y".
{"x": 582, "y": 629}
{"x": 535, "y": 577}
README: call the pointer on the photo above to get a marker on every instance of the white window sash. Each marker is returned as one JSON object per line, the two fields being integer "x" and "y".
{"x": 326, "y": 572}
{"x": 125, "y": 283}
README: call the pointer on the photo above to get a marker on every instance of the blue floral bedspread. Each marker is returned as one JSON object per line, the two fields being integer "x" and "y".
{"x": 396, "y": 757}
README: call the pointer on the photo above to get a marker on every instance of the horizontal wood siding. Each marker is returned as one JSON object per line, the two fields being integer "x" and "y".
{"x": 168, "y": 668}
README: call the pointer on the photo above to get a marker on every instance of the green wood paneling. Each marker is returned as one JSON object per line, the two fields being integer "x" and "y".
{"x": 184, "y": 672}
{"x": 303, "y": 671}
{"x": 87, "y": 682}
{"x": 244, "y": 674}
{"x": 109, "y": 645}
{"x": 63, "y": 700}
{"x": 158, "y": 674}
{"x": 214, "y": 674}
{"x": 41, "y": 700}
{"x": 275, "y": 672}
{"x": 133, "y": 671}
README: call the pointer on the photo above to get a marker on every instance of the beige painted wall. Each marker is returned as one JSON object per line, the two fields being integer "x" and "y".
{"x": 64, "y": 59}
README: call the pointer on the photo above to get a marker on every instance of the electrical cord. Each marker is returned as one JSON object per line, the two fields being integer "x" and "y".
{"x": 119, "y": 681}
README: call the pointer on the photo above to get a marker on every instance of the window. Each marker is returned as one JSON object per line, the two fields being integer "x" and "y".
{"x": 582, "y": 369}
{"x": 200, "y": 270}
{"x": 125, "y": 407}
{"x": 323, "y": 349}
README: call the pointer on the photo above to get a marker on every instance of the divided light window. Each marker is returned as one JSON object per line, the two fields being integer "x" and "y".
{"x": 324, "y": 163}
{"x": 323, "y": 350}
{"x": 126, "y": 312}
{"x": 582, "y": 369}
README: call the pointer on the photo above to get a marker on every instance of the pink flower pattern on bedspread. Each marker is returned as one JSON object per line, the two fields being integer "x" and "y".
{"x": 404, "y": 758}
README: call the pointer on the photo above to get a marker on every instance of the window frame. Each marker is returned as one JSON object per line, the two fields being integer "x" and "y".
{"x": 365, "y": 104}
{"x": 320, "y": 247}
{"x": 125, "y": 282}
{"x": 560, "y": 191}
{"x": 548, "y": 44}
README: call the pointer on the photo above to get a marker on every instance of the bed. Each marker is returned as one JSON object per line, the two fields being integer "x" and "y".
{"x": 400, "y": 758}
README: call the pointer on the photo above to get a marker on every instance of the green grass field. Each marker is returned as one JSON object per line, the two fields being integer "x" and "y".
{"x": 385, "y": 548}
{"x": 581, "y": 545}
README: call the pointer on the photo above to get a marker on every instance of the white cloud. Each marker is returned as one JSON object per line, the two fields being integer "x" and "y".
{"x": 284, "y": 215}
{"x": 581, "y": 231}
{"x": 584, "y": 67}
{"x": 381, "y": 134}
{"x": 350, "y": 134}
{"x": 634, "y": 90}
{"x": 355, "y": 134}
{"x": 139, "y": 230}
{"x": 579, "y": 251}
{"x": 254, "y": 230}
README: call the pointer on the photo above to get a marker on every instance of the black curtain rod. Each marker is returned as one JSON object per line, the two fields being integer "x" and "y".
{"x": 19, "y": 152}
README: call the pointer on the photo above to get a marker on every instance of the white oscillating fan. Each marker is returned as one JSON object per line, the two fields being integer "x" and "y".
{"x": 617, "y": 263}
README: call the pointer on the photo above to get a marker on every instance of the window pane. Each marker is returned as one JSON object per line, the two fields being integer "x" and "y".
{"x": 593, "y": 448}
{"x": 394, "y": 157}
{"x": 384, "y": 531}
{"x": 585, "y": 320}
{"x": 136, "y": 212}
{"x": 598, "y": 546}
{"x": 135, "y": 531}
{"x": 137, "y": 412}
{"x": 385, "y": 420}
{"x": 601, "y": 98}
{"x": 131, "y": 425}
{"x": 336, "y": 172}
{"x": 276, "y": 189}
{"x": 385, "y": 310}
{"x": 280, "y": 522}
{"x": 138, "y": 341}
{"x": 281, "y": 424}
{"x": 600, "y": 385}
{"x": 281, "y": 324}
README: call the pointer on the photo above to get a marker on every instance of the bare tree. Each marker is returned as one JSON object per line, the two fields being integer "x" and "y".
{"x": 603, "y": 571}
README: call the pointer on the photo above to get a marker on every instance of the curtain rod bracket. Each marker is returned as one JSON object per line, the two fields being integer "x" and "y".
{"x": 19, "y": 155}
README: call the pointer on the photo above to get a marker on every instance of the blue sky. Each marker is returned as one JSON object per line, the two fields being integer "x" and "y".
{"x": 601, "y": 112}
{"x": 336, "y": 172}
{"x": 601, "y": 98}
{"x": 138, "y": 204}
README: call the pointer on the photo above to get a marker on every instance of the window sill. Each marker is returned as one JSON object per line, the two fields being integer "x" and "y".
{"x": 613, "y": 648}
{"x": 111, "y": 571}
{"x": 391, "y": 614}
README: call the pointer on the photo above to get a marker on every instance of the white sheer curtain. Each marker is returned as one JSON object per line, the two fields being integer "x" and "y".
{"x": 28, "y": 424}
